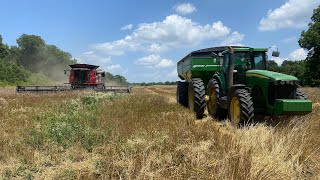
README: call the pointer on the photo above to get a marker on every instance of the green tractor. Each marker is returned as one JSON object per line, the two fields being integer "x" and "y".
{"x": 232, "y": 82}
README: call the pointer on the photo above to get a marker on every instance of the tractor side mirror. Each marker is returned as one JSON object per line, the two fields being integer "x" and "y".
{"x": 275, "y": 53}
{"x": 65, "y": 72}
{"x": 103, "y": 74}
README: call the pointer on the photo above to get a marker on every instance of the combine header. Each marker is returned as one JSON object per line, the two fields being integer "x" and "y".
{"x": 81, "y": 77}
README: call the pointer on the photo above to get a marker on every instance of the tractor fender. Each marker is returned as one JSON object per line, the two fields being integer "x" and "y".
{"x": 233, "y": 88}
{"x": 217, "y": 77}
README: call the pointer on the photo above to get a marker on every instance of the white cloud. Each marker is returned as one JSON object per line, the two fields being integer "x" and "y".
{"x": 90, "y": 57}
{"x": 289, "y": 40}
{"x": 171, "y": 33}
{"x": 173, "y": 74}
{"x": 105, "y": 62}
{"x": 278, "y": 60}
{"x": 298, "y": 54}
{"x": 153, "y": 61}
{"x": 293, "y": 14}
{"x": 185, "y": 8}
{"x": 165, "y": 63}
{"x": 127, "y": 27}
{"x": 234, "y": 39}
{"x": 148, "y": 60}
{"x": 113, "y": 67}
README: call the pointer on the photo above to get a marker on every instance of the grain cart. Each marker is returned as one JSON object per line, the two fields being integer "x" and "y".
{"x": 81, "y": 77}
{"x": 232, "y": 81}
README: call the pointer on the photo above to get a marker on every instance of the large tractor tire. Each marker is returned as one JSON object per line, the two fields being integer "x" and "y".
{"x": 301, "y": 95}
{"x": 182, "y": 93}
{"x": 213, "y": 106}
{"x": 241, "y": 109}
{"x": 196, "y": 97}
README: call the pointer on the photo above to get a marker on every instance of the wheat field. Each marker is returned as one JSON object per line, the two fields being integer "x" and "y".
{"x": 147, "y": 135}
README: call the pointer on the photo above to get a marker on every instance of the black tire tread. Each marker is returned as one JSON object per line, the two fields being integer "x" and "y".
{"x": 246, "y": 107}
{"x": 220, "y": 113}
{"x": 182, "y": 93}
{"x": 199, "y": 97}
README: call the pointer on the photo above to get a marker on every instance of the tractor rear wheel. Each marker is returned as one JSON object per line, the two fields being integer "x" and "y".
{"x": 213, "y": 106}
{"x": 182, "y": 93}
{"x": 301, "y": 95}
{"x": 196, "y": 97}
{"x": 241, "y": 109}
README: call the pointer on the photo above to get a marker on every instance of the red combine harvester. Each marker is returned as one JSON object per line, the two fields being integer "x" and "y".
{"x": 81, "y": 77}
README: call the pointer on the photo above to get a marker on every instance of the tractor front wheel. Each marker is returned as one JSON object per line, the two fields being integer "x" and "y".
{"x": 196, "y": 97}
{"x": 241, "y": 109}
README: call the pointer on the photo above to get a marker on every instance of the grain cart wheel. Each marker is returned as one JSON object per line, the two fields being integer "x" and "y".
{"x": 240, "y": 108}
{"x": 196, "y": 97}
{"x": 182, "y": 93}
{"x": 301, "y": 95}
{"x": 213, "y": 106}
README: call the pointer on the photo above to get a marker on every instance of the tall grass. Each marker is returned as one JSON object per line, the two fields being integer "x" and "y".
{"x": 146, "y": 135}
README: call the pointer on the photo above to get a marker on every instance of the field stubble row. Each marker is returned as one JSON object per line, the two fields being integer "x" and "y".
{"x": 146, "y": 135}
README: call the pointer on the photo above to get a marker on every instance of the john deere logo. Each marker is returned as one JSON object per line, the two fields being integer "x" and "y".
{"x": 202, "y": 66}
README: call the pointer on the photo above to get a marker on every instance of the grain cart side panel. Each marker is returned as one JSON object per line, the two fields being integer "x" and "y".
{"x": 184, "y": 69}
{"x": 198, "y": 67}
{"x": 205, "y": 68}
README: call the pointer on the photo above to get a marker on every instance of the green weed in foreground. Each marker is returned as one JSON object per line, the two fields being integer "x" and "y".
{"x": 74, "y": 122}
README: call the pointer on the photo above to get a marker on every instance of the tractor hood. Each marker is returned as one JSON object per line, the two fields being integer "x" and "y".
{"x": 272, "y": 76}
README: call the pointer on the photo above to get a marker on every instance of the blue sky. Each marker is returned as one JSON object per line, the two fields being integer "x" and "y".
{"x": 143, "y": 39}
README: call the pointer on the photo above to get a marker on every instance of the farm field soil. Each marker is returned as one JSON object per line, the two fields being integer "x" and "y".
{"x": 147, "y": 135}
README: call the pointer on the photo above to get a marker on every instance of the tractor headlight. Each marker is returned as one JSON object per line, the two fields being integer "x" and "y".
{"x": 282, "y": 82}
{"x": 276, "y": 83}
{"x": 291, "y": 82}
{"x": 296, "y": 83}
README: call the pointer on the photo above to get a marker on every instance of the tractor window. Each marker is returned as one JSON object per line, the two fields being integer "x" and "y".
{"x": 242, "y": 61}
{"x": 259, "y": 60}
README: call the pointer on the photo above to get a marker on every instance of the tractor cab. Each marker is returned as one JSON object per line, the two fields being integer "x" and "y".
{"x": 244, "y": 59}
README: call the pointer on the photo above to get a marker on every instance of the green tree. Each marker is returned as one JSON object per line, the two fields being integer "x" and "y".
{"x": 310, "y": 40}
{"x": 32, "y": 48}
{"x": 272, "y": 65}
{"x": 4, "y": 49}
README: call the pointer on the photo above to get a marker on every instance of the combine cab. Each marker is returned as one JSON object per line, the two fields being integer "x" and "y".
{"x": 81, "y": 77}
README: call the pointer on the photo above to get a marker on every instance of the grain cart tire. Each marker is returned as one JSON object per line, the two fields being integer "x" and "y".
{"x": 213, "y": 106}
{"x": 196, "y": 97}
{"x": 240, "y": 109}
{"x": 301, "y": 95}
{"x": 182, "y": 93}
